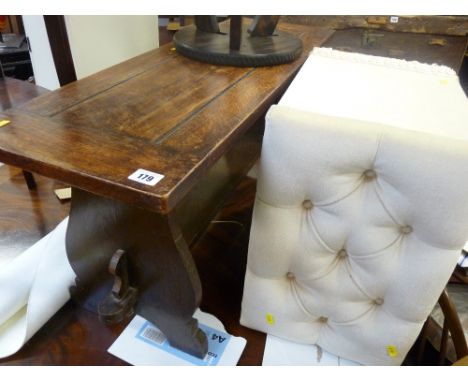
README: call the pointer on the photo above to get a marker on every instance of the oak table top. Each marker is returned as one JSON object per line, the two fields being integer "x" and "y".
{"x": 160, "y": 112}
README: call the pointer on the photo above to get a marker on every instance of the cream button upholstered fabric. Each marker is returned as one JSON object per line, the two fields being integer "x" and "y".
{"x": 361, "y": 207}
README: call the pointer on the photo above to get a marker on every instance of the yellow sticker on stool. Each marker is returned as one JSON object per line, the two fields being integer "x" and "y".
{"x": 270, "y": 319}
{"x": 4, "y": 122}
{"x": 392, "y": 351}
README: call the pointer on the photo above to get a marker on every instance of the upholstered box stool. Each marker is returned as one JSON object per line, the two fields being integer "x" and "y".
{"x": 361, "y": 207}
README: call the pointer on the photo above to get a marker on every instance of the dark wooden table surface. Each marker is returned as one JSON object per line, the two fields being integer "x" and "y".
{"x": 161, "y": 112}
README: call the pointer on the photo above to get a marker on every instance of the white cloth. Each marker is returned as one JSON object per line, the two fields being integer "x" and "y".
{"x": 33, "y": 287}
{"x": 398, "y": 93}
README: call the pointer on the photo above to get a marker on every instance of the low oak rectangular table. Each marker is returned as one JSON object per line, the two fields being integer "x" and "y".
{"x": 198, "y": 125}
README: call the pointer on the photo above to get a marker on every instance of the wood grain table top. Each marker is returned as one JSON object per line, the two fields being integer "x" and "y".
{"x": 159, "y": 111}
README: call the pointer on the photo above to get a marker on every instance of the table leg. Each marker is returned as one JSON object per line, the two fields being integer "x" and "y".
{"x": 30, "y": 181}
{"x": 160, "y": 265}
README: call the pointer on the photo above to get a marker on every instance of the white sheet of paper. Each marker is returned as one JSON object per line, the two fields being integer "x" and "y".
{"x": 280, "y": 352}
{"x": 131, "y": 348}
{"x": 33, "y": 287}
{"x": 63, "y": 193}
{"x": 463, "y": 261}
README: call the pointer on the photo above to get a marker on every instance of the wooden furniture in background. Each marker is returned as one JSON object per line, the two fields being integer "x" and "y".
{"x": 422, "y": 47}
{"x": 14, "y": 24}
{"x": 196, "y": 124}
{"x": 452, "y": 328}
{"x": 60, "y": 48}
{"x": 15, "y": 60}
{"x": 14, "y": 93}
{"x": 446, "y": 25}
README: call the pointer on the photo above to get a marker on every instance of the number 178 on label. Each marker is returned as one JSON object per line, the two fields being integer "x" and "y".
{"x": 146, "y": 177}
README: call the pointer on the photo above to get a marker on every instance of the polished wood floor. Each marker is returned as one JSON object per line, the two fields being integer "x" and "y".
{"x": 75, "y": 336}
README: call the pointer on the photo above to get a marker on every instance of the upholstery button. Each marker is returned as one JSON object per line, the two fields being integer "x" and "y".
{"x": 369, "y": 175}
{"x": 378, "y": 301}
{"x": 323, "y": 320}
{"x": 406, "y": 229}
{"x": 342, "y": 254}
{"x": 307, "y": 204}
{"x": 290, "y": 276}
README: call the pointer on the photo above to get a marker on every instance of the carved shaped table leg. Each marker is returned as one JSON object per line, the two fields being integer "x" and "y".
{"x": 160, "y": 265}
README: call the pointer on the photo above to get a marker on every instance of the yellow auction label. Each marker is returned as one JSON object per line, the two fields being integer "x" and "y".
{"x": 4, "y": 122}
{"x": 392, "y": 351}
{"x": 270, "y": 319}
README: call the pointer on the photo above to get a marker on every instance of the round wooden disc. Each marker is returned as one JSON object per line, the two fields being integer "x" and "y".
{"x": 213, "y": 48}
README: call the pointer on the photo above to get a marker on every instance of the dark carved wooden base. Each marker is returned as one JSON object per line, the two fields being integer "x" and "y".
{"x": 160, "y": 267}
{"x": 30, "y": 181}
{"x": 214, "y": 48}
